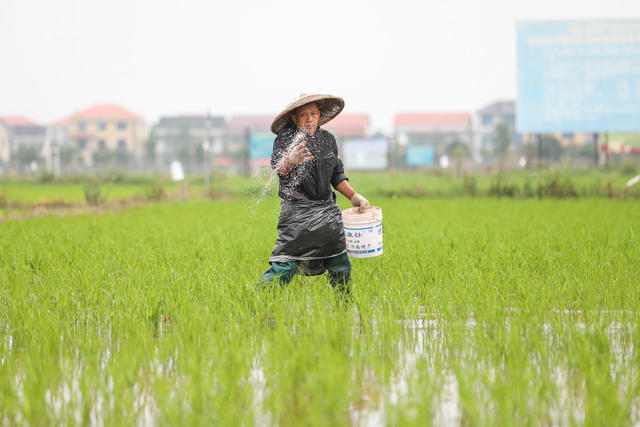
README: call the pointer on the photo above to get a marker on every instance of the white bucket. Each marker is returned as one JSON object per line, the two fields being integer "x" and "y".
{"x": 363, "y": 231}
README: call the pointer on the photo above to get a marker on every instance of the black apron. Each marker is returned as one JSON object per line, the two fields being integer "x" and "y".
{"x": 309, "y": 230}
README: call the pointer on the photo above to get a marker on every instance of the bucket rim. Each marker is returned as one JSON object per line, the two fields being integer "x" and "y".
{"x": 371, "y": 213}
{"x": 367, "y": 209}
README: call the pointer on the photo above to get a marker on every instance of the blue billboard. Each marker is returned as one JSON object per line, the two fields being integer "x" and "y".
{"x": 419, "y": 155}
{"x": 578, "y": 76}
{"x": 261, "y": 145}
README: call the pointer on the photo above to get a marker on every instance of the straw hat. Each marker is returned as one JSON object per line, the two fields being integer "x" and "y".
{"x": 329, "y": 105}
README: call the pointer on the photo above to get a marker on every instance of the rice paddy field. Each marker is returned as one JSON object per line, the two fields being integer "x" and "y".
{"x": 481, "y": 311}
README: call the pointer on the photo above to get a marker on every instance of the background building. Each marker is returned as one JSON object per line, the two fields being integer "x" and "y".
{"x": 58, "y": 151}
{"x": 421, "y": 138}
{"x": 107, "y": 136}
{"x": 25, "y": 142}
{"x": 182, "y": 138}
{"x": 5, "y": 148}
{"x": 242, "y": 130}
{"x": 486, "y": 122}
{"x": 240, "y": 126}
{"x": 348, "y": 126}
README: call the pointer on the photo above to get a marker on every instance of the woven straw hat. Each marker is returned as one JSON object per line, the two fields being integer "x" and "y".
{"x": 329, "y": 105}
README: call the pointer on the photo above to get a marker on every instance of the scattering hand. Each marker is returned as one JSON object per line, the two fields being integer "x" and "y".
{"x": 358, "y": 201}
{"x": 300, "y": 154}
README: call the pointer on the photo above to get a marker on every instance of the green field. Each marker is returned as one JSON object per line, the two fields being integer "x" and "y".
{"x": 545, "y": 183}
{"x": 482, "y": 311}
{"x": 28, "y": 192}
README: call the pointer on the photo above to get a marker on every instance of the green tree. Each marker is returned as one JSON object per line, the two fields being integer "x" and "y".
{"x": 584, "y": 151}
{"x": 551, "y": 148}
{"x": 198, "y": 152}
{"x": 103, "y": 157}
{"x": 114, "y": 159}
{"x": 25, "y": 155}
{"x": 501, "y": 139}
{"x": 457, "y": 146}
{"x": 150, "y": 148}
{"x": 459, "y": 151}
{"x": 501, "y": 142}
{"x": 67, "y": 153}
{"x": 184, "y": 154}
{"x": 122, "y": 157}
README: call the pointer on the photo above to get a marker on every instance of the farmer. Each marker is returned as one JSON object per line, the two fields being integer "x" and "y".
{"x": 310, "y": 232}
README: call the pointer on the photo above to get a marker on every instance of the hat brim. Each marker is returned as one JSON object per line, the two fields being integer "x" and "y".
{"x": 330, "y": 106}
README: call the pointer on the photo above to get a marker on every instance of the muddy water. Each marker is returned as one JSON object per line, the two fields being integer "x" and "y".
{"x": 424, "y": 341}
{"x": 428, "y": 340}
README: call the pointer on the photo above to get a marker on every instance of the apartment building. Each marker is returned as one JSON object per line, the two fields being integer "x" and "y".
{"x": 486, "y": 121}
{"x": 106, "y": 126}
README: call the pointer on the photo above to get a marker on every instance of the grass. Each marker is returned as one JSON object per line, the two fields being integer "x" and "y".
{"x": 412, "y": 184}
{"x": 480, "y": 312}
{"x": 28, "y": 192}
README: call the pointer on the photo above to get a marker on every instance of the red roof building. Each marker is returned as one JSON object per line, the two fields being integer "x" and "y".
{"x": 429, "y": 123}
{"x": 105, "y": 127}
{"x": 62, "y": 122}
{"x": 105, "y": 111}
{"x": 349, "y": 125}
{"x": 17, "y": 121}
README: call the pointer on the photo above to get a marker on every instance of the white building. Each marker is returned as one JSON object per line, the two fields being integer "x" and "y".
{"x": 21, "y": 138}
{"x": 5, "y": 147}
{"x": 486, "y": 120}
{"x": 179, "y": 136}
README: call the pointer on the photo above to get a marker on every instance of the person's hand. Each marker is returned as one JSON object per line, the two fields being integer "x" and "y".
{"x": 300, "y": 154}
{"x": 358, "y": 201}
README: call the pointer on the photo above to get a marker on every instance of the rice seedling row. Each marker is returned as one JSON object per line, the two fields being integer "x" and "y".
{"x": 480, "y": 311}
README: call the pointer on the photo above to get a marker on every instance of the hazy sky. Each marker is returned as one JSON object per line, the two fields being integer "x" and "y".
{"x": 240, "y": 56}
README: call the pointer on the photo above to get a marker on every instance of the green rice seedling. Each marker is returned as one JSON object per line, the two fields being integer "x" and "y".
{"x": 481, "y": 311}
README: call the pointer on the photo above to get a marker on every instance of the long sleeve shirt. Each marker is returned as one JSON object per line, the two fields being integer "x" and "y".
{"x": 312, "y": 179}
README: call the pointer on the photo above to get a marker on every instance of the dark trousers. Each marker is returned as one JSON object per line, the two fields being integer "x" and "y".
{"x": 338, "y": 269}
